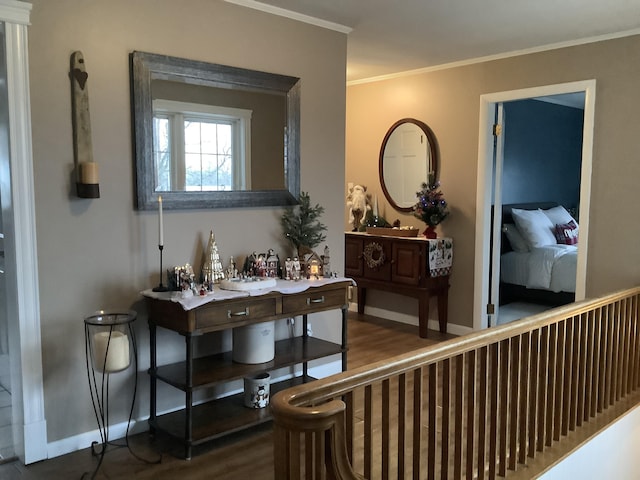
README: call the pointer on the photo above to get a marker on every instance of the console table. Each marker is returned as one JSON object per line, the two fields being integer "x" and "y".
{"x": 399, "y": 265}
{"x": 223, "y": 310}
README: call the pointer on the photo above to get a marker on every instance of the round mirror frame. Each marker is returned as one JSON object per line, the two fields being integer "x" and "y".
{"x": 432, "y": 150}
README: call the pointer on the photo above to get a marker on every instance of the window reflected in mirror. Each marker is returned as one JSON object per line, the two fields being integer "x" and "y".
{"x": 201, "y": 148}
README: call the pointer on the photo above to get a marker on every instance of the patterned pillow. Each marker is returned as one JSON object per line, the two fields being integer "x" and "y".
{"x": 567, "y": 233}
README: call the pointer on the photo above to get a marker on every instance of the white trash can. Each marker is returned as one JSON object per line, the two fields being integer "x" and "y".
{"x": 254, "y": 343}
{"x": 256, "y": 390}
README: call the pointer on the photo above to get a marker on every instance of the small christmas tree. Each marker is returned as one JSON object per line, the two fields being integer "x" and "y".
{"x": 301, "y": 224}
{"x": 212, "y": 271}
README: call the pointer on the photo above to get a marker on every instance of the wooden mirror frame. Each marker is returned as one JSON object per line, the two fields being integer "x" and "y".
{"x": 146, "y": 67}
{"x": 434, "y": 159}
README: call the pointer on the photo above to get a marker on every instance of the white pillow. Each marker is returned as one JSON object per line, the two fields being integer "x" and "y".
{"x": 517, "y": 241}
{"x": 559, "y": 215}
{"x": 535, "y": 227}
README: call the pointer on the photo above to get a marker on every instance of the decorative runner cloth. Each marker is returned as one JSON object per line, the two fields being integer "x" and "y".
{"x": 190, "y": 302}
{"x": 440, "y": 256}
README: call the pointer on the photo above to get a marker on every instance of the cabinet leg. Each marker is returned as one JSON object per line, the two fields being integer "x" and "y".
{"x": 423, "y": 315}
{"x": 362, "y": 297}
{"x": 305, "y": 335}
{"x": 443, "y": 306}
{"x": 344, "y": 338}
{"x": 188, "y": 422}
{"x": 152, "y": 379}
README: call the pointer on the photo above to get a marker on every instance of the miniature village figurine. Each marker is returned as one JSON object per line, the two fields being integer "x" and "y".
{"x": 326, "y": 262}
{"x": 359, "y": 203}
{"x": 272, "y": 262}
{"x": 288, "y": 266}
{"x": 232, "y": 271}
{"x": 250, "y": 265}
{"x": 295, "y": 269}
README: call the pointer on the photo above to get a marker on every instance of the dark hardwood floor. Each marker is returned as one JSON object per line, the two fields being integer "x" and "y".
{"x": 241, "y": 456}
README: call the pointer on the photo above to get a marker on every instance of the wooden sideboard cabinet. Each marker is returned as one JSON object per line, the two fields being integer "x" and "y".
{"x": 198, "y": 423}
{"x": 399, "y": 265}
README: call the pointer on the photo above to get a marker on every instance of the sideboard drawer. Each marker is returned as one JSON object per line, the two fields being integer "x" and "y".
{"x": 300, "y": 303}
{"x": 214, "y": 314}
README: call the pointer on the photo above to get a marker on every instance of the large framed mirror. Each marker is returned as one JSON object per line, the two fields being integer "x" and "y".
{"x": 213, "y": 136}
{"x": 408, "y": 157}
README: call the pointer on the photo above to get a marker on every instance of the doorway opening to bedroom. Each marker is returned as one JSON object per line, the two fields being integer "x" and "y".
{"x": 533, "y": 191}
{"x": 539, "y": 199}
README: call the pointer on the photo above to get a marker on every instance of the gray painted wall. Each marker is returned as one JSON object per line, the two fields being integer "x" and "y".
{"x": 101, "y": 253}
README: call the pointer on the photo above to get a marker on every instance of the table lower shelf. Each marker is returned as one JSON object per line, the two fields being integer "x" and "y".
{"x": 230, "y": 412}
{"x": 219, "y": 368}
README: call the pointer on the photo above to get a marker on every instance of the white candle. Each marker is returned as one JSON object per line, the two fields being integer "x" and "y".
{"x": 375, "y": 207}
{"x": 160, "y": 226}
{"x": 89, "y": 172}
{"x": 117, "y": 357}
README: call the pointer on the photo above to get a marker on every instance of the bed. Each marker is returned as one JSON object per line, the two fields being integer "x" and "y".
{"x": 539, "y": 248}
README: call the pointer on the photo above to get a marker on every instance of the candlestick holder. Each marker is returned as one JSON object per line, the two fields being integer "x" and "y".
{"x": 161, "y": 287}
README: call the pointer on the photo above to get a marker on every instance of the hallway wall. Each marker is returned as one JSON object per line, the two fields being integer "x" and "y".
{"x": 448, "y": 100}
{"x": 101, "y": 253}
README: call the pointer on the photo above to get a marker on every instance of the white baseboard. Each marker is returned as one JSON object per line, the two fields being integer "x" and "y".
{"x": 35, "y": 448}
{"x": 84, "y": 440}
{"x": 410, "y": 319}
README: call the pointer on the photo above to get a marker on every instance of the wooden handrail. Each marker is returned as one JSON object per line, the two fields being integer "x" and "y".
{"x": 486, "y": 403}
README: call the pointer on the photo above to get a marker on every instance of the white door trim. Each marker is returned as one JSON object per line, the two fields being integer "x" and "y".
{"x": 484, "y": 185}
{"x": 31, "y": 441}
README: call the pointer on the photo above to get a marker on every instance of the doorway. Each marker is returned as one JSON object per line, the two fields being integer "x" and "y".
{"x": 489, "y": 171}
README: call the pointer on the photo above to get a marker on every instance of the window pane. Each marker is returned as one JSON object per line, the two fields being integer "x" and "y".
{"x": 162, "y": 154}
{"x": 193, "y": 172}
{"x": 209, "y": 132}
{"x": 192, "y": 137}
{"x": 224, "y": 139}
{"x": 225, "y": 172}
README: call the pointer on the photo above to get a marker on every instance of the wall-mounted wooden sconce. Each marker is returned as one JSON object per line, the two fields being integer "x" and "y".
{"x": 87, "y": 180}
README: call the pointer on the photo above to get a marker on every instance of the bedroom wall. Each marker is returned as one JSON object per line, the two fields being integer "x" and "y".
{"x": 101, "y": 253}
{"x": 542, "y": 153}
{"x": 448, "y": 101}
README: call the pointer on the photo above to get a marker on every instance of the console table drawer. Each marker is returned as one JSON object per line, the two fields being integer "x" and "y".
{"x": 310, "y": 300}
{"x": 221, "y": 314}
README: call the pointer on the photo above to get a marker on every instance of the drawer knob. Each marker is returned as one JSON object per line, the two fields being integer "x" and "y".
{"x": 238, "y": 314}
{"x": 315, "y": 300}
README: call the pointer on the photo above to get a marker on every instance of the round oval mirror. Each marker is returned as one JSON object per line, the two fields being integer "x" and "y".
{"x": 407, "y": 158}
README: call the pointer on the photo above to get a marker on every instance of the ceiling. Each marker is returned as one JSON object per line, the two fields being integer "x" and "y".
{"x": 386, "y": 37}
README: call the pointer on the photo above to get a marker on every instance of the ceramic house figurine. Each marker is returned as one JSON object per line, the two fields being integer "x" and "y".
{"x": 272, "y": 269}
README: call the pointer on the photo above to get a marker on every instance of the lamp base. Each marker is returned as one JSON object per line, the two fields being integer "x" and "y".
{"x": 160, "y": 288}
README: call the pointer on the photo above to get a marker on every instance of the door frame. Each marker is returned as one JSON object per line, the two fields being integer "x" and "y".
{"x": 486, "y": 177}
{"x": 30, "y": 427}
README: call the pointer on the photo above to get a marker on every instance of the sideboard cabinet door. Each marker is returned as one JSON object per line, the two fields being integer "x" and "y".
{"x": 377, "y": 259}
{"x": 353, "y": 257}
{"x": 408, "y": 263}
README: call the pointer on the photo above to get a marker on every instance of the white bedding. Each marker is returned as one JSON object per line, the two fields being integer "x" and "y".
{"x": 552, "y": 267}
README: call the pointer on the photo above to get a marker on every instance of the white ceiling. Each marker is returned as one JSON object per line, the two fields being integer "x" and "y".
{"x": 386, "y": 37}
